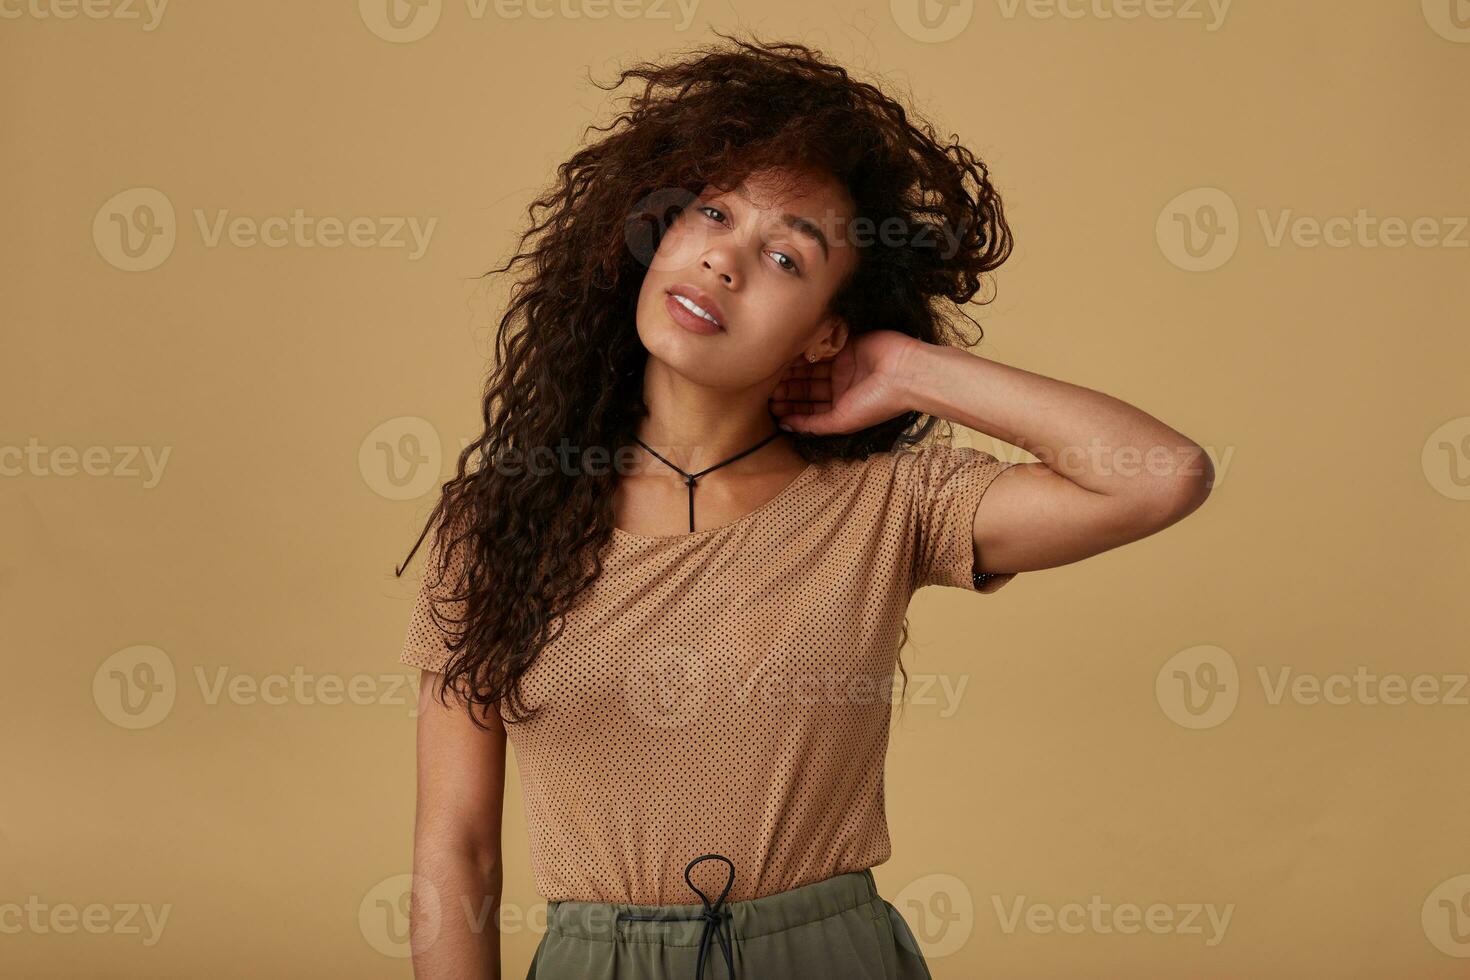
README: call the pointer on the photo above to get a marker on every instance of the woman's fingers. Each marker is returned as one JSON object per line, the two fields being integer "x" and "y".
{"x": 804, "y": 390}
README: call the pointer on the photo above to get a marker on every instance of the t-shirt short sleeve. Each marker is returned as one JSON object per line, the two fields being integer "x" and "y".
{"x": 947, "y": 484}
{"x": 426, "y": 644}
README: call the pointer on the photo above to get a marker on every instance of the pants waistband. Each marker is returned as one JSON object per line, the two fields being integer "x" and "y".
{"x": 747, "y": 918}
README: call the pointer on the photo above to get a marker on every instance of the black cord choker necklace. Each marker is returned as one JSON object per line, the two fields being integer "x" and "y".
{"x": 689, "y": 478}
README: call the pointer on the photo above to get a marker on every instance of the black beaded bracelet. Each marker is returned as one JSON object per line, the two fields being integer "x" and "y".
{"x": 982, "y": 577}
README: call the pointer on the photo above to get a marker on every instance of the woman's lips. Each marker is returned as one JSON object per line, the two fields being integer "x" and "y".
{"x": 687, "y": 318}
{"x": 706, "y": 303}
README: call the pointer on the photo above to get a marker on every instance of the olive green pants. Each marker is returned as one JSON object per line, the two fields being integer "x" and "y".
{"x": 839, "y": 927}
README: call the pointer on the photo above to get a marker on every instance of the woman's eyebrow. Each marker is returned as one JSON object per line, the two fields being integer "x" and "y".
{"x": 808, "y": 228}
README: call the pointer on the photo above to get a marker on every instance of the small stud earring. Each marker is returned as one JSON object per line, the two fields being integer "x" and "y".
{"x": 812, "y": 358}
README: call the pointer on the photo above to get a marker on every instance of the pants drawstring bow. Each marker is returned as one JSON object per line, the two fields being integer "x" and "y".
{"x": 714, "y": 916}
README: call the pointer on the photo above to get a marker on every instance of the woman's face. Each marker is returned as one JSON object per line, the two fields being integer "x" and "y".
{"x": 764, "y": 260}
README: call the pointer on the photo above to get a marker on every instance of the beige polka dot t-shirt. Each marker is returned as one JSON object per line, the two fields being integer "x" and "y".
{"x": 729, "y": 690}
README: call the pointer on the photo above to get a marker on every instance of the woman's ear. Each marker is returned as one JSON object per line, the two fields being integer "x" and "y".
{"x": 837, "y": 332}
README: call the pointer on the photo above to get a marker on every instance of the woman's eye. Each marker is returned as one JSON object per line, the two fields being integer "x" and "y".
{"x": 711, "y": 207}
{"x": 788, "y": 268}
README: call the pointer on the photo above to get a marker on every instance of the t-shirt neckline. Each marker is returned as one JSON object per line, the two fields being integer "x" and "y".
{"x": 784, "y": 493}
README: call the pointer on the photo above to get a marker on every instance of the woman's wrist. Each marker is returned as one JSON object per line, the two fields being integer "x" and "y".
{"x": 916, "y": 376}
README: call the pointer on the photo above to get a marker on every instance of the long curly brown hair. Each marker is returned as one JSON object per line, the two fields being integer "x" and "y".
{"x": 514, "y": 545}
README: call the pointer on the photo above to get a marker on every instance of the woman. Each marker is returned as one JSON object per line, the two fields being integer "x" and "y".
{"x": 679, "y": 568}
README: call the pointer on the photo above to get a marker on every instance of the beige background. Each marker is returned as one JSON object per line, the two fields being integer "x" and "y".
{"x": 1327, "y": 382}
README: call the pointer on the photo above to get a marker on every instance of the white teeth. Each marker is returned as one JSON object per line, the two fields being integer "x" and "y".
{"x": 694, "y": 309}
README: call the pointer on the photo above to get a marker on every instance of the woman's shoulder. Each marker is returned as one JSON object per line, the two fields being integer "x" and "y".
{"x": 881, "y": 470}
{"x": 913, "y": 470}
{"x": 902, "y": 461}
